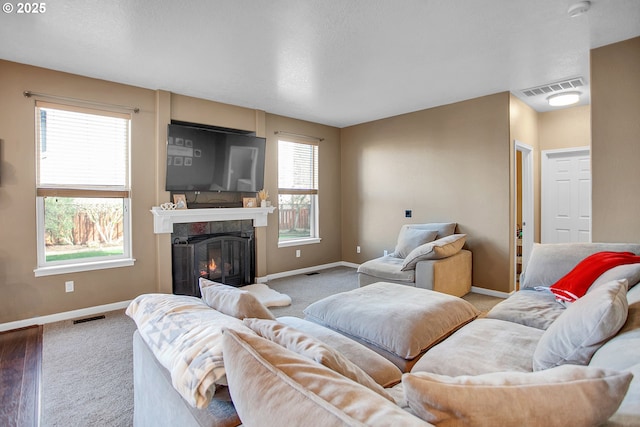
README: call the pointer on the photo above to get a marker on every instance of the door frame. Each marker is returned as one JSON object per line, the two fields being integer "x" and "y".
{"x": 528, "y": 216}
{"x": 545, "y": 156}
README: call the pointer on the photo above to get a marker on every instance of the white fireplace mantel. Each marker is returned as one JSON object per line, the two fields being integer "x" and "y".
{"x": 163, "y": 220}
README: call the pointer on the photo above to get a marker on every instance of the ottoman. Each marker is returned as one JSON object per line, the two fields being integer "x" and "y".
{"x": 396, "y": 321}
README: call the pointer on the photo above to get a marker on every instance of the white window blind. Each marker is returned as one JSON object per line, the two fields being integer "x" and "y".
{"x": 297, "y": 166}
{"x": 81, "y": 149}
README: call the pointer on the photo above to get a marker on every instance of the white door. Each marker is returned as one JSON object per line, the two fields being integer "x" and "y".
{"x": 566, "y": 195}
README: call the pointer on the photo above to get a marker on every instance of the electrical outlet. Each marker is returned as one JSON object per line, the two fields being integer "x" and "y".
{"x": 407, "y": 213}
{"x": 68, "y": 286}
{"x": 357, "y": 249}
{"x": 297, "y": 253}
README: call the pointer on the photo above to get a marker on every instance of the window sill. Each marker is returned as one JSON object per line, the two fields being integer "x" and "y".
{"x": 85, "y": 266}
{"x": 299, "y": 242}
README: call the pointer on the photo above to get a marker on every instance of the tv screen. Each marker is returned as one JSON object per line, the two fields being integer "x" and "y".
{"x": 203, "y": 159}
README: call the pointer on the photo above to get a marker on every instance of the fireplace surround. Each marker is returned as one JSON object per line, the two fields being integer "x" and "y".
{"x": 180, "y": 225}
{"x": 222, "y": 257}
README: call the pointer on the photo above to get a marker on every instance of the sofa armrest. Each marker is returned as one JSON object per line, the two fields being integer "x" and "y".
{"x": 450, "y": 275}
{"x": 157, "y": 403}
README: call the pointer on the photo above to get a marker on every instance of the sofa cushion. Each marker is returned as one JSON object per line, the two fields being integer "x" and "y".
{"x": 549, "y": 262}
{"x": 380, "y": 369}
{"x": 575, "y": 283}
{"x": 232, "y": 301}
{"x": 480, "y": 347}
{"x": 630, "y": 272}
{"x": 387, "y": 268}
{"x": 314, "y": 349}
{"x": 583, "y": 327}
{"x": 421, "y": 317}
{"x": 621, "y": 351}
{"x": 273, "y": 386}
{"x": 561, "y": 396}
{"x": 438, "y": 249}
{"x": 410, "y": 238}
{"x": 538, "y": 309}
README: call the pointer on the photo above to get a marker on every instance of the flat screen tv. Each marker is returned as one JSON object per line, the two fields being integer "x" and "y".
{"x": 211, "y": 159}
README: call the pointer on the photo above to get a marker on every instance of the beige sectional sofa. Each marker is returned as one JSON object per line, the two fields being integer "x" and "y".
{"x": 529, "y": 361}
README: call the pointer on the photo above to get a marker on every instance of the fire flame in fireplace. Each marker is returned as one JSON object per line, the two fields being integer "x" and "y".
{"x": 212, "y": 265}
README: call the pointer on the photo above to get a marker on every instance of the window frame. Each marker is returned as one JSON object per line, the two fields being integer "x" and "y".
{"x": 312, "y": 192}
{"x": 47, "y": 268}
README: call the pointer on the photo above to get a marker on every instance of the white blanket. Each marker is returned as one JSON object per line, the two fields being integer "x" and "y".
{"x": 185, "y": 335}
{"x": 267, "y": 296}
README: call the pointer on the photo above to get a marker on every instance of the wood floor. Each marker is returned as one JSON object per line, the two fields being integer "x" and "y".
{"x": 20, "y": 367}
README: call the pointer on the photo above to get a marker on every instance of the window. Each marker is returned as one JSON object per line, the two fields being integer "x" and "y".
{"x": 297, "y": 193}
{"x": 83, "y": 191}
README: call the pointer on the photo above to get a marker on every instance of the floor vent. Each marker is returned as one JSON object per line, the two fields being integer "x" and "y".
{"x": 88, "y": 319}
{"x": 312, "y": 273}
{"x": 574, "y": 83}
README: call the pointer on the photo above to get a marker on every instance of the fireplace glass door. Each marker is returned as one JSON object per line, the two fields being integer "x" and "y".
{"x": 226, "y": 259}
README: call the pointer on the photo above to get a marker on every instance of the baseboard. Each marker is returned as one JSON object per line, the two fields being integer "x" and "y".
{"x": 490, "y": 292}
{"x": 67, "y": 315}
{"x": 265, "y": 279}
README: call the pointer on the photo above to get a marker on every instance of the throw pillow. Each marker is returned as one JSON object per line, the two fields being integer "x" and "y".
{"x": 411, "y": 238}
{"x": 563, "y": 396}
{"x": 438, "y": 249}
{"x": 576, "y": 283}
{"x": 583, "y": 327}
{"x": 378, "y": 367}
{"x": 314, "y": 349}
{"x": 272, "y": 386}
{"x": 232, "y": 301}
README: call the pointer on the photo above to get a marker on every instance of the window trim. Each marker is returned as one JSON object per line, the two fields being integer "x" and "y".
{"x": 83, "y": 264}
{"x": 45, "y": 268}
{"x": 299, "y": 242}
{"x": 313, "y": 192}
{"x": 87, "y": 266}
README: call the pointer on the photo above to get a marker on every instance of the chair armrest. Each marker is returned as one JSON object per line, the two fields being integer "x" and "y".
{"x": 450, "y": 275}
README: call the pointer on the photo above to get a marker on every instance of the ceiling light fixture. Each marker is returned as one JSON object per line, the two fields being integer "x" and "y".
{"x": 578, "y": 8}
{"x": 564, "y": 99}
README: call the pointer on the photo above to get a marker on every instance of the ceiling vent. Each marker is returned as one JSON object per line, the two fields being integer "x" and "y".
{"x": 574, "y": 83}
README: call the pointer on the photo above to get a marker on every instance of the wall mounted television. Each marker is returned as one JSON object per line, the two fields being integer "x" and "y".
{"x": 203, "y": 158}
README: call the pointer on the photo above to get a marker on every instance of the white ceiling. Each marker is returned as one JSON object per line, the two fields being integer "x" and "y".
{"x": 336, "y": 62}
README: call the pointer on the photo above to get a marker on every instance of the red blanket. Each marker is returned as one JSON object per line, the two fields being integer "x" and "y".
{"x": 576, "y": 283}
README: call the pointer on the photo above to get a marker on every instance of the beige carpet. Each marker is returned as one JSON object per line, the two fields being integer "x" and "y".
{"x": 87, "y": 375}
{"x": 87, "y": 372}
{"x": 305, "y": 289}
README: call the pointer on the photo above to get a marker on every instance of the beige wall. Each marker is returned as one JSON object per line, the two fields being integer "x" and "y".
{"x": 449, "y": 163}
{"x": 565, "y": 128}
{"x": 25, "y": 296}
{"x": 329, "y": 190}
{"x": 524, "y": 125}
{"x": 615, "y": 141}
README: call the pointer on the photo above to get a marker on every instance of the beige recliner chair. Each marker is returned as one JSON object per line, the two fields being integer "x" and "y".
{"x": 428, "y": 256}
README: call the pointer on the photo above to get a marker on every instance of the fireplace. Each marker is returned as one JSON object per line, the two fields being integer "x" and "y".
{"x": 226, "y": 258}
